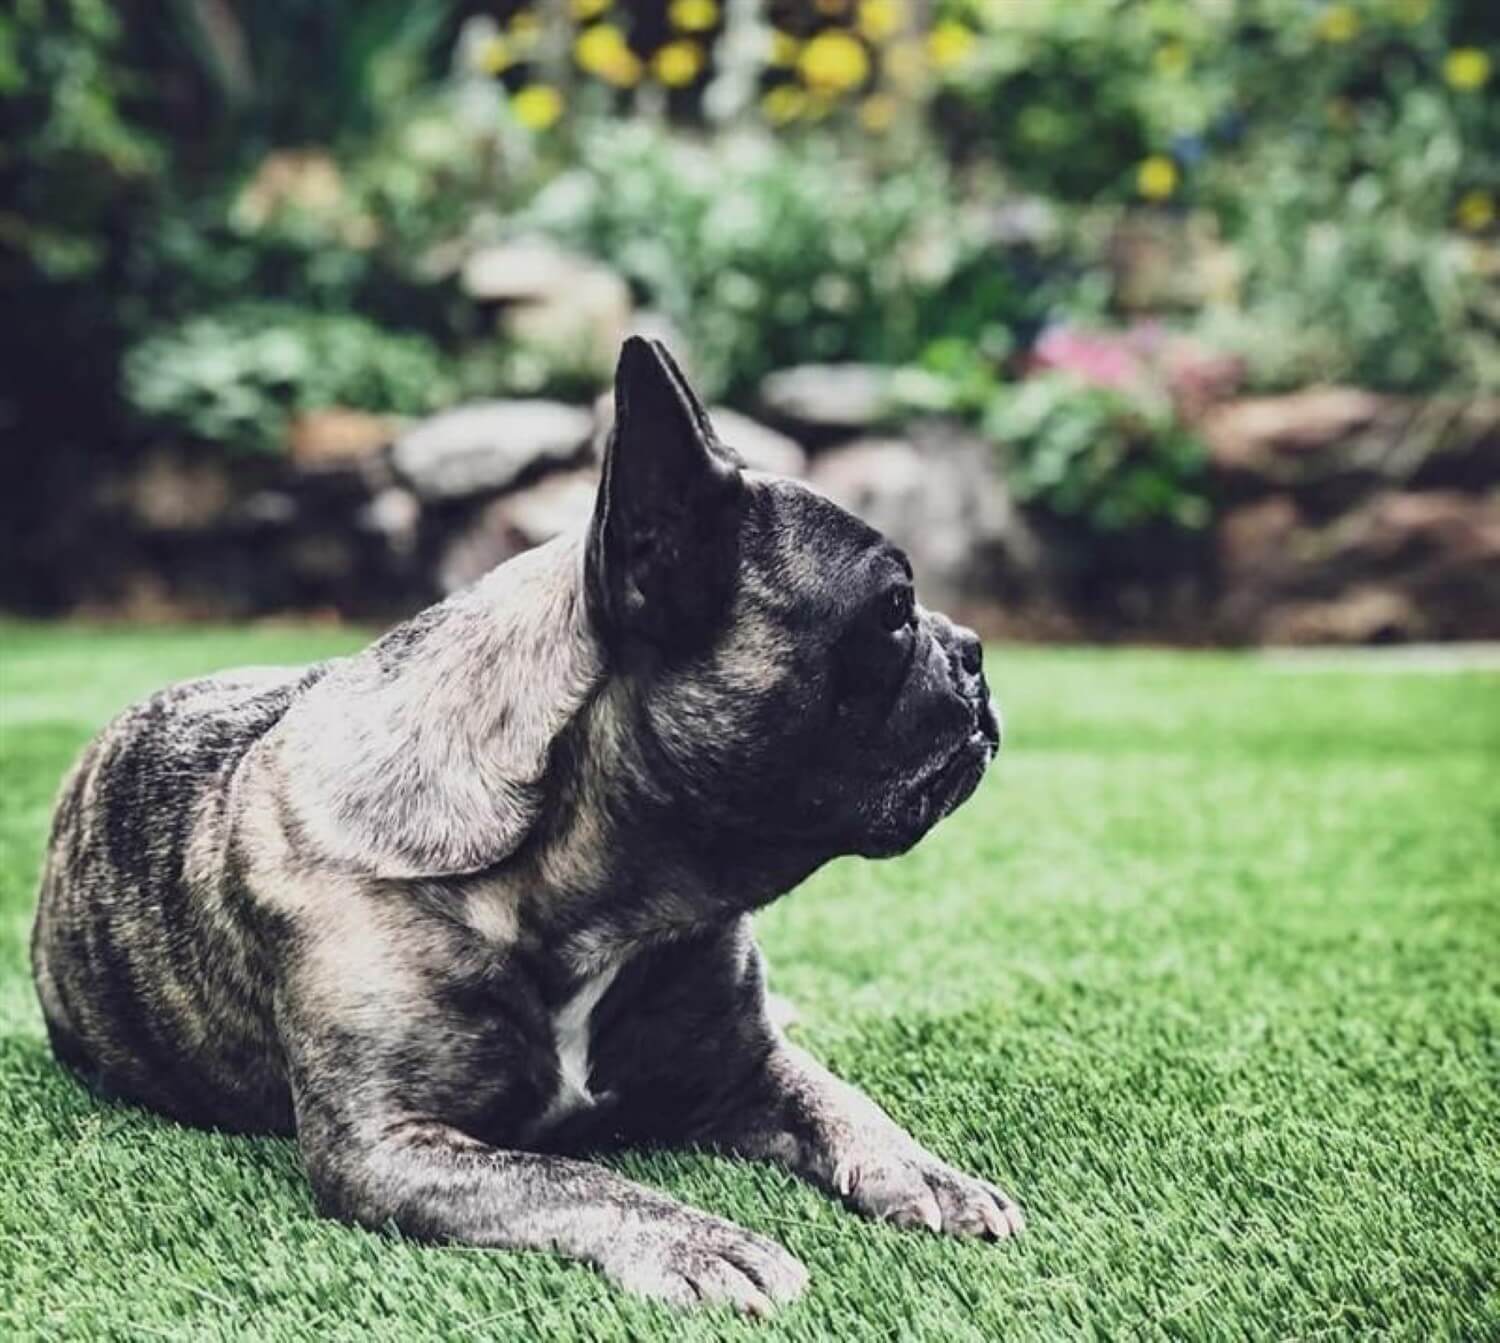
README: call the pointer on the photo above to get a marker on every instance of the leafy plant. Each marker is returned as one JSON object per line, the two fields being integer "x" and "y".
{"x": 763, "y": 253}
{"x": 1350, "y": 269}
{"x": 1110, "y": 460}
{"x": 235, "y": 377}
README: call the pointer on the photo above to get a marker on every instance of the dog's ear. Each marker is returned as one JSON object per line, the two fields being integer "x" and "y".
{"x": 663, "y": 549}
{"x": 429, "y": 754}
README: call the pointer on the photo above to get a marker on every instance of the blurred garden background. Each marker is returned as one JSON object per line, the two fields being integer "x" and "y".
{"x": 1170, "y": 320}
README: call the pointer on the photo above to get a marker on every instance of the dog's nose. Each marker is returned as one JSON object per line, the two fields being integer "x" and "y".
{"x": 970, "y": 650}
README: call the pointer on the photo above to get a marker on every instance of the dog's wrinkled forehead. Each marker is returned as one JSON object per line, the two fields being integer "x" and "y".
{"x": 806, "y": 557}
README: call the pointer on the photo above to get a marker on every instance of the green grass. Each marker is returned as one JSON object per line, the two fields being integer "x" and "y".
{"x": 1207, "y": 975}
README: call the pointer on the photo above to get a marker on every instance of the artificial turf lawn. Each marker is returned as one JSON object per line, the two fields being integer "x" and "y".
{"x": 1207, "y": 975}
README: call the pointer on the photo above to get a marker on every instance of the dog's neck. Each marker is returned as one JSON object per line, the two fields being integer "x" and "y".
{"x": 618, "y": 865}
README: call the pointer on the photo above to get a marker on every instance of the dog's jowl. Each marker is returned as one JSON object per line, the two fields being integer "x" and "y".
{"x": 478, "y": 897}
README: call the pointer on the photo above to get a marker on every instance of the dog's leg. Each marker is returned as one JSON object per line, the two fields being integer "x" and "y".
{"x": 803, "y": 1117}
{"x": 434, "y": 1182}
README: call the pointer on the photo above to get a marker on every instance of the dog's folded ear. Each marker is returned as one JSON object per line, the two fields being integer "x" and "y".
{"x": 663, "y": 550}
{"x": 428, "y": 754}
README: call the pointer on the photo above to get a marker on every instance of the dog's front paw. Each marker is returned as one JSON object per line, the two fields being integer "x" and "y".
{"x": 901, "y": 1183}
{"x": 690, "y": 1258}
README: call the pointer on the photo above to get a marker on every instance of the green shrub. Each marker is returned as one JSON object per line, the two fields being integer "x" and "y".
{"x": 235, "y": 377}
{"x": 1350, "y": 272}
{"x": 762, "y": 252}
{"x": 1104, "y": 459}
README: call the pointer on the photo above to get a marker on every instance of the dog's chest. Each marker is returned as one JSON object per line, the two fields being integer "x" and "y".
{"x": 572, "y": 1042}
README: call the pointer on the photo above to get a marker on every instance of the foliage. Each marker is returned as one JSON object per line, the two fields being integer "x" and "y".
{"x": 763, "y": 253}
{"x": 1341, "y": 148}
{"x": 1107, "y": 458}
{"x": 70, "y": 155}
{"x": 234, "y": 377}
{"x": 1350, "y": 272}
{"x": 1103, "y": 458}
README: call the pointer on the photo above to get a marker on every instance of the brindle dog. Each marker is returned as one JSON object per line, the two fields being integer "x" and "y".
{"x": 479, "y": 895}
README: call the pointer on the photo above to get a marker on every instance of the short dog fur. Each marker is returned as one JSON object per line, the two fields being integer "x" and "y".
{"x": 477, "y": 897}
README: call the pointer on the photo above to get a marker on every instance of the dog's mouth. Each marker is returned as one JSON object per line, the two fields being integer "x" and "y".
{"x": 950, "y": 783}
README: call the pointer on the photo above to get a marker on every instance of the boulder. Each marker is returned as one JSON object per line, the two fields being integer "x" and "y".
{"x": 1402, "y": 565}
{"x": 940, "y": 496}
{"x": 520, "y": 271}
{"x": 336, "y": 436}
{"x": 489, "y": 446}
{"x": 515, "y": 522}
{"x": 564, "y": 307}
{"x": 826, "y": 401}
{"x": 1331, "y": 445}
{"x": 172, "y": 492}
{"x": 763, "y": 448}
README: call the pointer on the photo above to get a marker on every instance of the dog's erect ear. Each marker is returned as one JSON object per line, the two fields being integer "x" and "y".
{"x": 663, "y": 550}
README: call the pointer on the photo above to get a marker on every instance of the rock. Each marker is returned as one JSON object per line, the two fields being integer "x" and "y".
{"x": 942, "y": 499}
{"x": 824, "y": 401}
{"x": 1333, "y": 444}
{"x": 568, "y": 309}
{"x": 166, "y": 492}
{"x": 393, "y": 514}
{"x": 1366, "y": 615}
{"x": 337, "y": 436}
{"x": 517, "y": 521}
{"x": 762, "y": 448}
{"x": 519, "y": 271}
{"x": 1255, "y": 540}
{"x": 489, "y": 446}
{"x": 580, "y": 328}
{"x": 1403, "y": 564}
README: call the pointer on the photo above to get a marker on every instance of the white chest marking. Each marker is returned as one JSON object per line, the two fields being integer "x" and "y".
{"x": 570, "y": 1038}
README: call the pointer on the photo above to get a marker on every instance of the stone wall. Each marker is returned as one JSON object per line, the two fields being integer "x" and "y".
{"x": 1342, "y": 517}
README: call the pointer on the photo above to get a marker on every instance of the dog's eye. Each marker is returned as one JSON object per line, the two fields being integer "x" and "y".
{"x": 897, "y": 608}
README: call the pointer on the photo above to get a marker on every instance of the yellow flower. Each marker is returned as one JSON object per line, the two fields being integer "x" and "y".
{"x": 784, "y": 48}
{"x": 784, "y": 103}
{"x": 492, "y": 55}
{"x": 1172, "y": 59}
{"x": 537, "y": 106}
{"x": 833, "y": 62}
{"x": 949, "y": 44}
{"x": 693, "y": 16}
{"x": 1156, "y": 178}
{"x": 1338, "y": 23}
{"x": 1475, "y": 211}
{"x": 1411, "y": 12}
{"x": 582, "y": 10}
{"x": 877, "y": 112}
{"x": 678, "y": 63}
{"x": 880, "y": 19}
{"x": 1467, "y": 69}
{"x": 603, "y": 51}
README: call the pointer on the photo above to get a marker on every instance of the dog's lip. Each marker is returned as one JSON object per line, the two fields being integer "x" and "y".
{"x": 991, "y": 722}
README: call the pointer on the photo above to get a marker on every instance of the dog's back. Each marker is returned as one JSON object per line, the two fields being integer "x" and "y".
{"x": 146, "y": 954}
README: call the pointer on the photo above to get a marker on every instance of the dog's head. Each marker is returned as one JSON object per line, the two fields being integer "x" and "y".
{"x": 778, "y": 671}
{"x": 745, "y": 679}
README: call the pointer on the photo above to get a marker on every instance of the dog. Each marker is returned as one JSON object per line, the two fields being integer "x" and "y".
{"x": 476, "y": 899}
